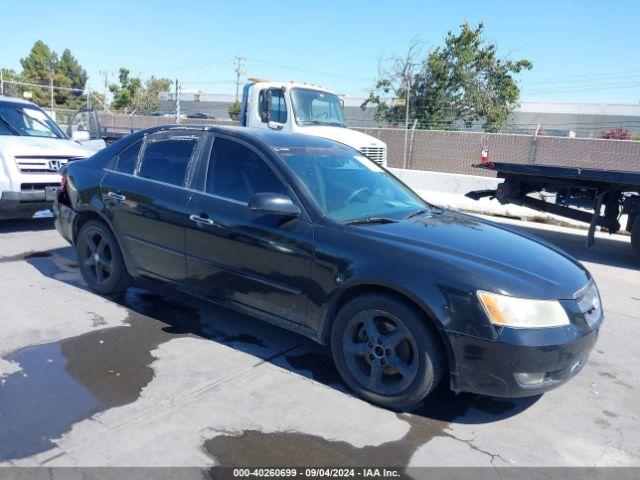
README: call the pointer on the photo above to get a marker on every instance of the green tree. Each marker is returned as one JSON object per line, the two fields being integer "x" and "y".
{"x": 70, "y": 74}
{"x": 39, "y": 67}
{"x": 11, "y": 89}
{"x": 463, "y": 81}
{"x": 43, "y": 65}
{"x": 234, "y": 111}
{"x": 134, "y": 95}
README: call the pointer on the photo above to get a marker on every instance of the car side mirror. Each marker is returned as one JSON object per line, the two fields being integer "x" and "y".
{"x": 274, "y": 204}
{"x": 80, "y": 135}
{"x": 275, "y": 125}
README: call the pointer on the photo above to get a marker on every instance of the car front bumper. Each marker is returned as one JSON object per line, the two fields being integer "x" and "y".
{"x": 25, "y": 203}
{"x": 505, "y": 367}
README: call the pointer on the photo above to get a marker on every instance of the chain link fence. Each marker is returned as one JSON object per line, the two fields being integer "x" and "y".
{"x": 451, "y": 151}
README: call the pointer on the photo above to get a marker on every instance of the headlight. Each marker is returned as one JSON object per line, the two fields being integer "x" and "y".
{"x": 505, "y": 311}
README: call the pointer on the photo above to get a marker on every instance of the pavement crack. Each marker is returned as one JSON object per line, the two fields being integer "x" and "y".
{"x": 470, "y": 443}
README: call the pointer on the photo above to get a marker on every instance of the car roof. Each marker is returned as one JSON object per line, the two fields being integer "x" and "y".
{"x": 268, "y": 138}
{"x": 16, "y": 101}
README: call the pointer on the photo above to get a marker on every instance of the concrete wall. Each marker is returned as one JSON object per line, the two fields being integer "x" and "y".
{"x": 448, "y": 190}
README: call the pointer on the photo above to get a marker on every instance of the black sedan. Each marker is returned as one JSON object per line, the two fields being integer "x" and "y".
{"x": 310, "y": 235}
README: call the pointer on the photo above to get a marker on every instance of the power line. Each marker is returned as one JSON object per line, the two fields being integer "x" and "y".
{"x": 304, "y": 70}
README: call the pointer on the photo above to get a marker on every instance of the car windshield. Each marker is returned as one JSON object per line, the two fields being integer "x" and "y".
{"x": 27, "y": 121}
{"x": 313, "y": 107}
{"x": 348, "y": 186}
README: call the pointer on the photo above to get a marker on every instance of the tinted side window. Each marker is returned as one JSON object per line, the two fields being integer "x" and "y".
{"x": 166, "y": 159}
{"x": 236, "y": 172}
{"x": 126, "y": 161}
{"x": 277, "y": 107}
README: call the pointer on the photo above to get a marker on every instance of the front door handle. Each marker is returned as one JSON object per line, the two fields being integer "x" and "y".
{"x": 201, "y": 220}
{"x": 116, "y": 196}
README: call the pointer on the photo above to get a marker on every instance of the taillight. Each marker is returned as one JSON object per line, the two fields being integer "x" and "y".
{"x": 63, "y": 196}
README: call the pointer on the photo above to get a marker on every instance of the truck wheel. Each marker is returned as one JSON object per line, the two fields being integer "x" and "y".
{"x": 386, "y": 352}
{"x": 635, "y": 235}
{"x": 100, "y": 260}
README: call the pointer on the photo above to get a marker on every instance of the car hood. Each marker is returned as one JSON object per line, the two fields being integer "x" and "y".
{"x": 484, "y": 255}
{"x": 13, "y": 145}
{"x": 352, "y": 138}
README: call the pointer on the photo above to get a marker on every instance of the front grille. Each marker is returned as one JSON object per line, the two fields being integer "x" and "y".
{"x": 377, "y": 154}
{"x": 43, "y": 164}
{"x": 589, "y": 303}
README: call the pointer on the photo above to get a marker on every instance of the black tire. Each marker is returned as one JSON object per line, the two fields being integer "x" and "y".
{"x": 408, "y": 370}
{"x": 635, "y": 235}
{"x": 100, "y": 259}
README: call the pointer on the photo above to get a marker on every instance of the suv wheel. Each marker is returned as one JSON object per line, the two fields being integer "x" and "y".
{"x": 100, "y": 260}
{"x": 386, "y": 352}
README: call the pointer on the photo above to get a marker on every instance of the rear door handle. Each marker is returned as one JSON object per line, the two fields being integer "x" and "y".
{"x": 116, "y": 196}
{"x": 201, "y": 220}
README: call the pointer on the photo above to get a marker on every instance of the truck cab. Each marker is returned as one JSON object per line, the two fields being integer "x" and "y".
{"x": 32, "y": 150}
{"x": 307, "y": 109}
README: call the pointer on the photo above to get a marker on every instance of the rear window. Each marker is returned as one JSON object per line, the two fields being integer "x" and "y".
{"x": 166, "y": 159}
{"x": 127, "y": 159}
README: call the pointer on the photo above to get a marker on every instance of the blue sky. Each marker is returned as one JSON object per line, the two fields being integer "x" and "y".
{"x": 584, "y": 50}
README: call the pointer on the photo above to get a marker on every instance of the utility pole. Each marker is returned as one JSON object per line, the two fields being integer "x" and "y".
{"x": 177, "y": 102}
{"x": 105, "y": 73}
{"x": 239, "y": 71}
{"x": 51, "y": 84}
{"x": 407, "y": 78}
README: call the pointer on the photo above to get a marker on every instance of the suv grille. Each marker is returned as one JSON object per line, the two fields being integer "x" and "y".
{"x": 377, "y": 154}
{"x": 43, "y": 164}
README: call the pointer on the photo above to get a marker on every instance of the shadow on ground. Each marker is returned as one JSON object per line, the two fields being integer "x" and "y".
{"x": 26, "y": 225}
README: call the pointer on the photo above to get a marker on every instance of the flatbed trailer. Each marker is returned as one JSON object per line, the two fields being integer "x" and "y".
{"x": 594, "y": 196}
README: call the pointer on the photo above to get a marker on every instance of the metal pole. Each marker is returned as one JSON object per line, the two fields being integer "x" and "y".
{"x": 177, "y": 102}
{"x": 406, "y": 120}
{"x": 413, "y": 129}
{"x": 239, "y": 72}
{"x": 1, "y": 81}
{"x": 51, "y": 95}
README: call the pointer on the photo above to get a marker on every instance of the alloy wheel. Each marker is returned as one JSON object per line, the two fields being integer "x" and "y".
{"x": 380, "y": 351}
{"x": 97, "y": 258}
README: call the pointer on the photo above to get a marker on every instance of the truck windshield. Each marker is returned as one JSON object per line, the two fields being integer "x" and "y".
{"x": 313, "y": 107}
{"x": 27, "y": 121}
{"x": 347, "y": 186}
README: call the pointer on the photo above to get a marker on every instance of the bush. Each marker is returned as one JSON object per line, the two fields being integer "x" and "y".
{"x": 616, "y": 134}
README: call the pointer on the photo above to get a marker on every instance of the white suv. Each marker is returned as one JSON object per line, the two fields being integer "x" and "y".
{"x": 32, "y": 149}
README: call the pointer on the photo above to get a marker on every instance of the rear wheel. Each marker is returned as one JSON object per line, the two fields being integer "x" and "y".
{"x": 385, "y": 351}
{"x": 100, "y": 260}
{"x": 635, "y": 235}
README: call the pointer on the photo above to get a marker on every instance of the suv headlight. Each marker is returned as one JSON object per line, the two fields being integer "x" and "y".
{"x": 506, "y": 311}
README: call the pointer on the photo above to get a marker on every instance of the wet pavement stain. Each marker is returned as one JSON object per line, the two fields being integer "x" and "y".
{"x": 225, "y": 337}
{"x": 25, "y": 256}
{"x": 64, "y": 382}
{"x": 430, "y": 420}
{"x": 40, "y": 402}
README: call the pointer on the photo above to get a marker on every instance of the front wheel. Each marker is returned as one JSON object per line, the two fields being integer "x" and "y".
{"x": 100, "y": 260}
{"x": 386, "y": 352}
